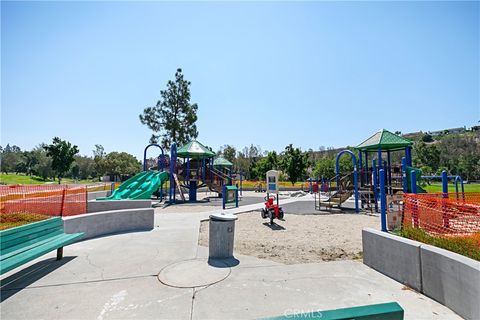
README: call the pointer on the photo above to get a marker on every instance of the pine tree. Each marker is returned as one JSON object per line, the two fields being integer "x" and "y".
{"x": 173, "y": 117}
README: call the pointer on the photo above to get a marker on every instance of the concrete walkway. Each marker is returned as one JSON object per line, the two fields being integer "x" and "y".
{"x": 116, "y": 277}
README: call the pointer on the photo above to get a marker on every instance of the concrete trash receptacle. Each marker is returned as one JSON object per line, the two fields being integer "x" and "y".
{"x": 221, "y": 235}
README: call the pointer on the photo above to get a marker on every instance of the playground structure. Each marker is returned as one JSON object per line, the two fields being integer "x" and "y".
{"x": 364, "y": 181}
{"x": 199, "y": 168}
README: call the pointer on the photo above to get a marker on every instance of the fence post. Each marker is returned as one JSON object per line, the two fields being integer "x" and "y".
{"x": 446, "y": 223}
{"x": 63, "y": 201}
{"x": 383, "y": 201}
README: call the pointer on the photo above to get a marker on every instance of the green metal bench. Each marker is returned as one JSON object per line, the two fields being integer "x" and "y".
{"x": 382, "y": 311}
{"x": 25, "y": 243}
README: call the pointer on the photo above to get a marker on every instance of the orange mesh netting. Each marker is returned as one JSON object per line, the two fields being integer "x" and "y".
{"x": 443, "y": 214}
{"x": 42, "y": 200}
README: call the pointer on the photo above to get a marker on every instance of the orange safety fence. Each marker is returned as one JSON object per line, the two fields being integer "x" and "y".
{"x": 442, "y": 214}
{"x": 21, "y": 204}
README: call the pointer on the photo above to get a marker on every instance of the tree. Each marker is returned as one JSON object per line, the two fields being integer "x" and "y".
{"x": 43, "y": 168}
{"x": 10, "y": 158}
{"x": 84, "y": 168}
{"x": 265, "y": 164}
{"x": 120, "y": 163}
{"x": 62, "y": 153}
{"x": 228, "y": 152}
{"x": 426, "y": 155}
{"x": 173, "y": 117}
{"x": 98, "y": 155}
{"x": 325, "y": 167}
{"x": 294, "y": 163}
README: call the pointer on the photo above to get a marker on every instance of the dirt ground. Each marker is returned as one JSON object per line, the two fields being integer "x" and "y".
{"x": 300, "y": 238}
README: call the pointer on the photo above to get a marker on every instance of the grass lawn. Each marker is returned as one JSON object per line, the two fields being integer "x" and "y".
{"x": 10, "y": 220}
{"x": 12, "y": 178}
{"x": 468, "y": 246}
{"x": 437, "y": 187}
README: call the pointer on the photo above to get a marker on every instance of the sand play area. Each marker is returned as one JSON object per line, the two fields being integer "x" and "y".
{"x": 300, "y": 238}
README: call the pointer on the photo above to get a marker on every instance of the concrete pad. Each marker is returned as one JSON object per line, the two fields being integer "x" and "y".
{"x": 193, "y": 273}
{"x": 279, "y": 290}
{"x": 140, "y": 297}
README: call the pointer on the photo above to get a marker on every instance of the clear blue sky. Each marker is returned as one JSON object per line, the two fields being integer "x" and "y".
{"x": 312, "y": 74}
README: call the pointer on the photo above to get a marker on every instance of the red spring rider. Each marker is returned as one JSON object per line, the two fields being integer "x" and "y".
{"x": 272, "y": 210}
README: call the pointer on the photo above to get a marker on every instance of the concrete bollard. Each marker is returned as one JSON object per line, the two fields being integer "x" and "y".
{"x": 221, "y": 235}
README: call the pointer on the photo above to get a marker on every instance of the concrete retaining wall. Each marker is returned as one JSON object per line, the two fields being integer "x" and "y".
{"x": 393, "y": 256}
{"x": 97, "y": 194}
{"x": 447, "y": 277}
{"x": 107, "y": 205}
{"x": 108, "y": 222}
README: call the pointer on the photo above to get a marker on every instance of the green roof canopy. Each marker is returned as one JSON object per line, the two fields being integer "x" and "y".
{"x": 194, "y": 150}
{"x": 385, "y": 140}
{"x": 222, "y": 162}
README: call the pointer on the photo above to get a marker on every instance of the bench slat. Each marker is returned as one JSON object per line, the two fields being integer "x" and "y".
{"x": 36, "y": 252}
{"x": 17, "y": 241}
{"x": 12, "y": 251}
{"x": 10, "y": 231}
{"x": 26, "y": 234}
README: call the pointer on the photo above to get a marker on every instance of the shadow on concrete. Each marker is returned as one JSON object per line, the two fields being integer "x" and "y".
{"x": 274, "y": 226}
{"x": 25, "y": 277}
{"x": 223, "y": 263}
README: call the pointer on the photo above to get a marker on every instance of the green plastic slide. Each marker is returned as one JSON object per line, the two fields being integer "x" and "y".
{"x": 141, "y": 186}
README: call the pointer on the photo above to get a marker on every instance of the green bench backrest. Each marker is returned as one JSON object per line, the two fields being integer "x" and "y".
{"x": 26, "y": 234}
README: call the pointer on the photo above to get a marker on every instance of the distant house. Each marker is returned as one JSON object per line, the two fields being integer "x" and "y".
{"x": 412, "y": 135}
{"x": 447, "y": 131}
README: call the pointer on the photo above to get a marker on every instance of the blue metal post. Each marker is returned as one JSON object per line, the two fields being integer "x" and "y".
{"x": 366, "y": 167}
{"x": 413, "y": 181}
{"x": 404, "y": 174}
{"x": 187, "y": 172}
{"x": 374, "y": 183}
{"x": 408, "y": 155}
{"x": 389, "y": 165}
{"x": 236, "y": 197}
{"x": 310, "y": 185}
{"x": 224, "y": 193}
{"x": 360, "y": 164}
{"x": 173, "y": 159}
{"x": 459, "y": 179}
{"x": 203, "y": 169}
{"x": 445, "y": 183}
{"x": 383, "y": 201}
{"x": 379, "y": 159}
{"x": 355, "y": 184}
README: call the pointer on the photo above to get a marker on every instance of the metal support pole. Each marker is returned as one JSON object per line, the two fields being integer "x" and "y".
{"x": 383, "y": 201}
{"x": 224, "y": 193}
{"x": 360, "y": 164}
{"x": 413, "y": 181}
{"x": 374, "y": 183}
{"x": 389, "y": 164}
{"x": 404, "y": 174}
{"x": 366, "y": 167}
{"x": 355, "y": 184}
{"x": 446, "y": 222}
